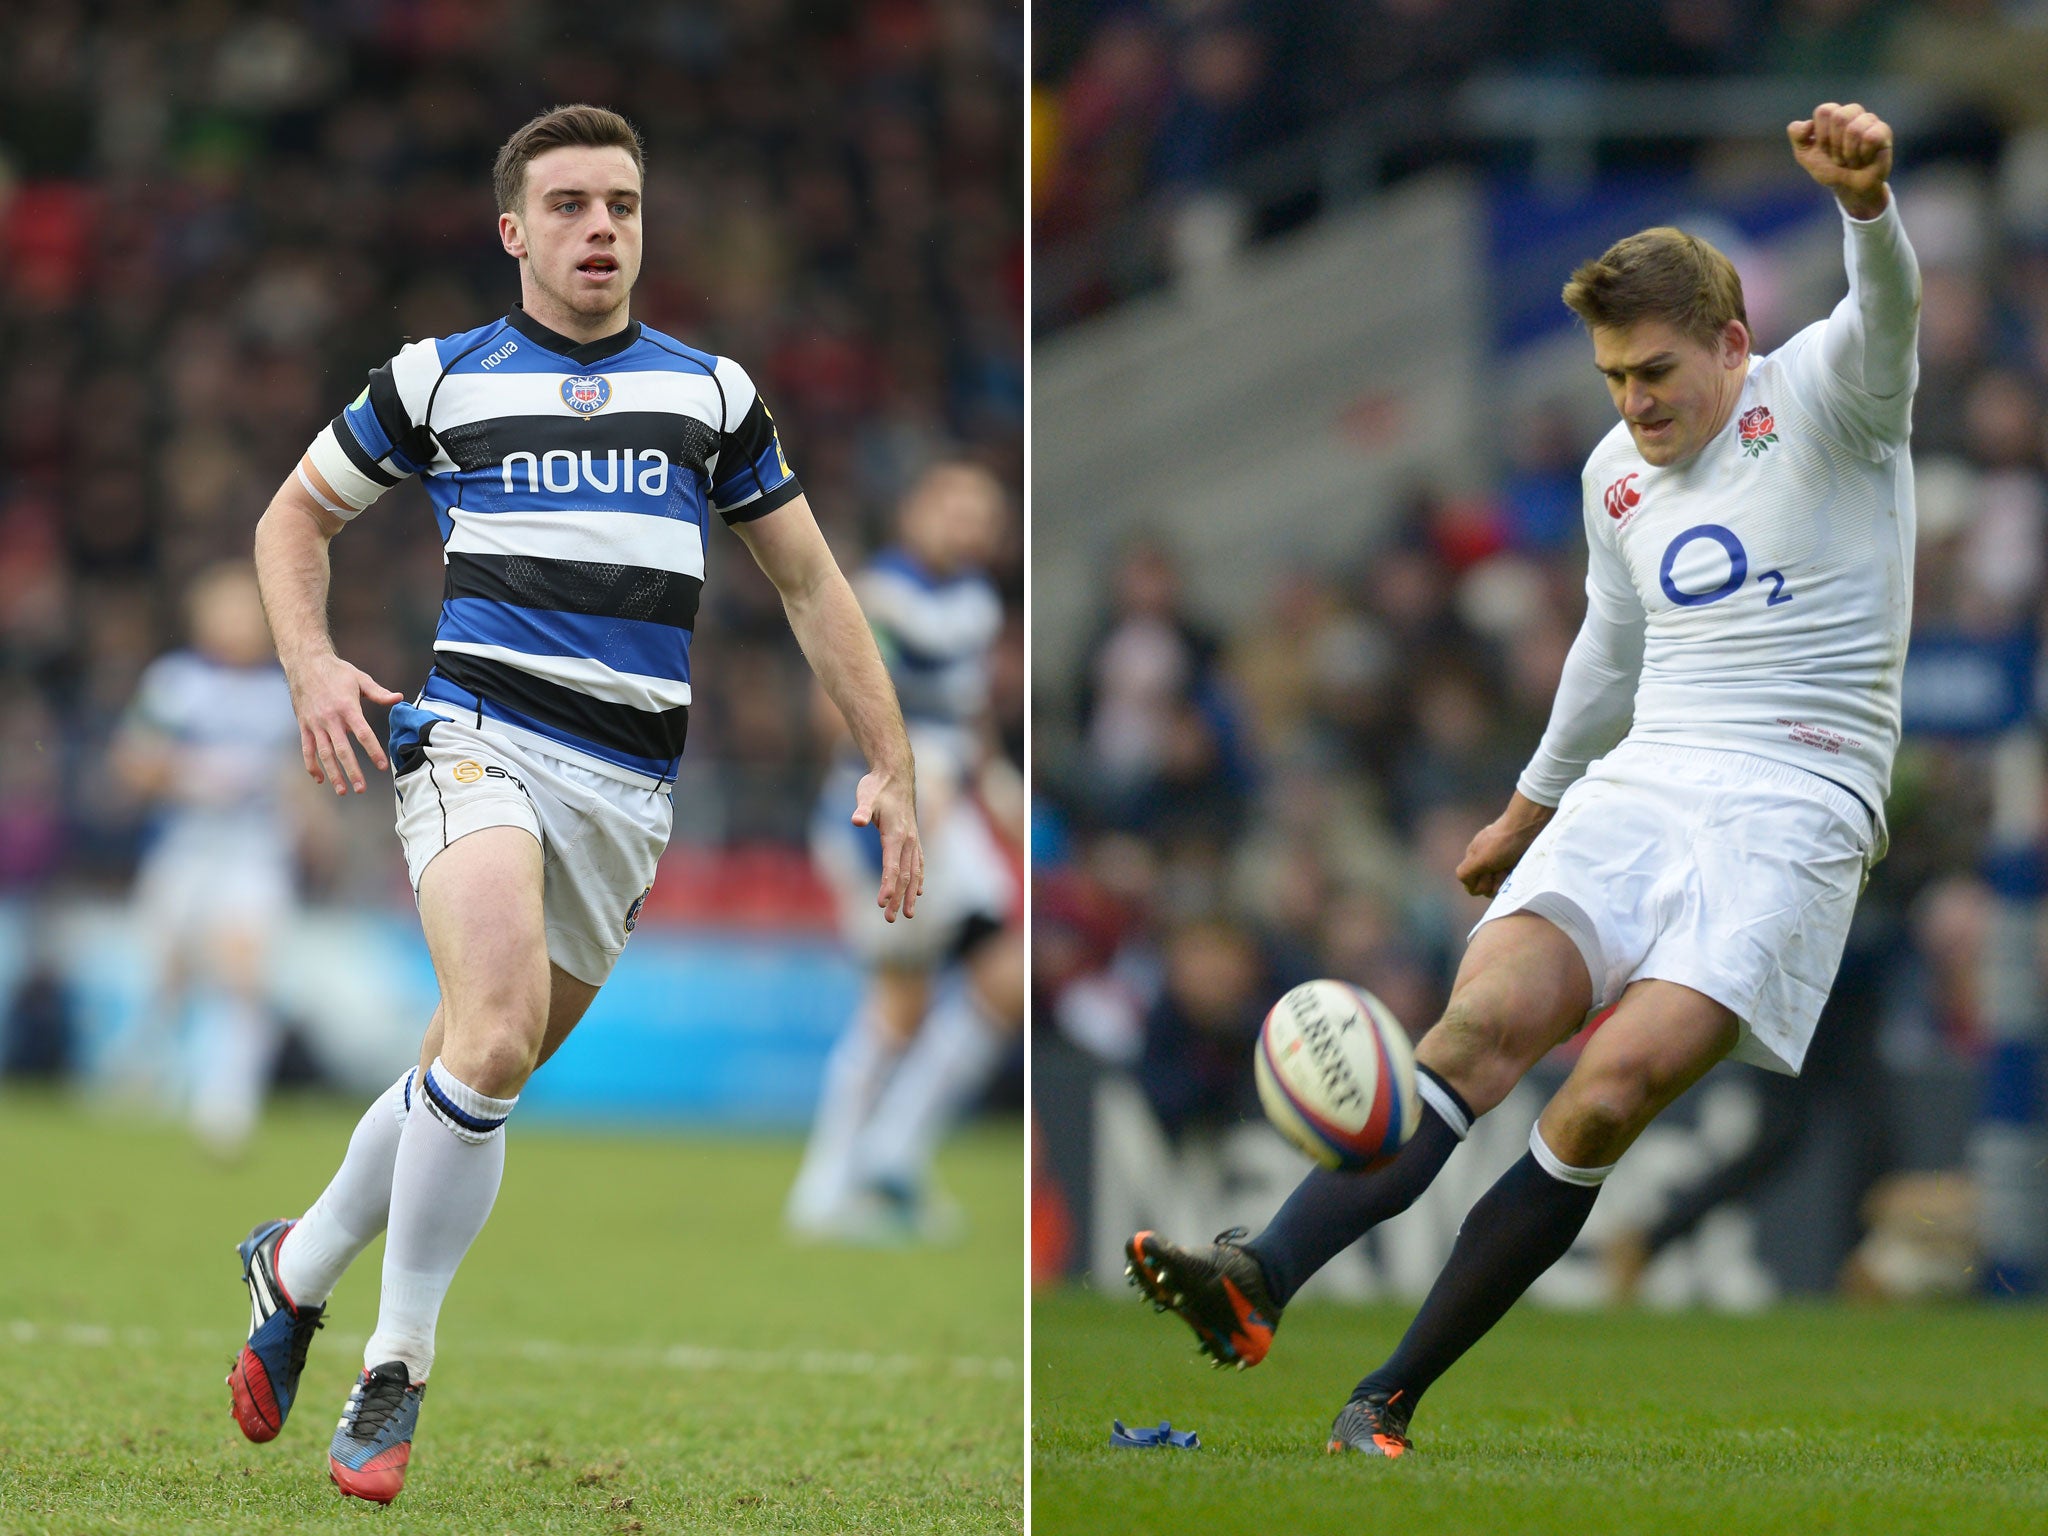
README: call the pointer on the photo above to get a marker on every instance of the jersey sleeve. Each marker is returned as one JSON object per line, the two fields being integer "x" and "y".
{"x": 962, "y": 618}
{"x": 750, "y": 477}
{"x": 159, "y": 705}
{"x": 1858, "y": 368}
{"x": 1597, "y": 693}
{"x": 370, "y": 446}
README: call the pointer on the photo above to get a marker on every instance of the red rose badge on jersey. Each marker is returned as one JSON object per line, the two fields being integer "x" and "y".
{"x": 1759, "y": 431}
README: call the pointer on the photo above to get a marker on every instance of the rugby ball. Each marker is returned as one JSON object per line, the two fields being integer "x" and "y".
{"x": 1337, "y": 1075}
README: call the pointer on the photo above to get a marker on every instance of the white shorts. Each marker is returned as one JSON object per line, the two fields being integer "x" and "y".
{"x": 1730, "y": 874}
{"x": 600, "y": 837}
{"x": 966, "y": 876}
{"x": 185, "y": 892}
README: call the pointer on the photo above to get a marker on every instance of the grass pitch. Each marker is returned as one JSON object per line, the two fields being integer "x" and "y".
{"x": 631, "y": 1346}
{"x": 1808, "y": 1419}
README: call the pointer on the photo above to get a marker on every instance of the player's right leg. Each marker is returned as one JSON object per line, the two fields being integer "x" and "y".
{"x": 1661, "y": 1039}
{"x": 1522, "y": 988}
{"x": 481, "y": 910}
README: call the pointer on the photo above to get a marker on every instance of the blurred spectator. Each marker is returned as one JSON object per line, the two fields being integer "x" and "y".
{"x": 1198, "y": 1036}
{"x": 1160, "y": 730}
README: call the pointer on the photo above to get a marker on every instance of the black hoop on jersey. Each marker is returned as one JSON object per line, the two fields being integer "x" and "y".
{"x": 421, "y": 445}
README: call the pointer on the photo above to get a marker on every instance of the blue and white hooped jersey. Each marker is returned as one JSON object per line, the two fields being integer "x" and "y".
{"x": 234, "y": 737}
{"x": 572, "y": 483}
{"x": 935, "y": 633}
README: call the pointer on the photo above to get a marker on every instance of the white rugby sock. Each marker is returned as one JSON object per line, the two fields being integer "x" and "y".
{"x": 451, "y": 1157}
{"x": 854, "y": 1074}
{"x": 949, "y": 1062}
{"x": 352, "y": 1209}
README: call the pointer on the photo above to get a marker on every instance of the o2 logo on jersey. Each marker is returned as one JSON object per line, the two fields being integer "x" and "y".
{"x": 1738, "y": 569}
{"x": 587, "y": 395}
{"x": 1622, "y": 496}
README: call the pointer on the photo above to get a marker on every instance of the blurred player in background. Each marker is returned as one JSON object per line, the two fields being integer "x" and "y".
{"x": 1750, "y": 525}
{"x": 946, "y": 997}
{"x": 572, "y": 457}
{"x": 208, "y": 743}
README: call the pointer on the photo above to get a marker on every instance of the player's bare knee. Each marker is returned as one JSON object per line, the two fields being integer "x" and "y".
{"x": 497, "y": 1062}
{"x": 996, "y": 972}
{"x": 1591, "y": 1128}
{"x": 1474, "y": 1049}
{"x": 1603, "y": 1107}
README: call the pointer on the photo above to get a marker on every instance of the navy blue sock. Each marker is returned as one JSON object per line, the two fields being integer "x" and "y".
{"x": 1328, "y": 1212}
{"x": 1519, "y": 1228}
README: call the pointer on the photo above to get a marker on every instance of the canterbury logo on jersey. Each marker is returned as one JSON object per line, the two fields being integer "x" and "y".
{"x": 620, "y": 469}
{"x": 1622, "y": 496}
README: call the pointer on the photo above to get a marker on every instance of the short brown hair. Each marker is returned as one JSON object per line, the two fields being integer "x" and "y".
{"x": 1660, "y": 274}
{"x": 581, "y": 124}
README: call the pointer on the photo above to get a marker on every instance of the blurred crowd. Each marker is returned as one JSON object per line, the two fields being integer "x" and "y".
{"x": 1222, "y": 812}
{"x": 1163, "y": 127}
{"x": 217, "y": 215}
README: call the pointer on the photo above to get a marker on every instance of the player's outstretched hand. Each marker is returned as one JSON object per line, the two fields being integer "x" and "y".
{"x": 1848, "y": 151}
{"x": 1499, "y": 845}
{"x": 327, "y": 694}
{"x": 887, "y": 802}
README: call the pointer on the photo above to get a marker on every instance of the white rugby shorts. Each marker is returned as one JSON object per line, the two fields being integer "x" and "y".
{"x": 966, "y": 876}
{"x": 600, "y": 837}
{"x": 1728, "y": 873}
{"x": 189, "y": 886}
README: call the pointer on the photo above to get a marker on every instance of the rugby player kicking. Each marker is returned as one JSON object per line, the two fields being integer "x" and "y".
{"x": 1750, "y": 528}
{"x": 572, "y": 456}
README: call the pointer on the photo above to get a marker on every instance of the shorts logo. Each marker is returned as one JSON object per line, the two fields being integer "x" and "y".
{"x": 633, "y": 912}
{"x": 1622, "y": 496}
{"x": 467, "y": 772}
{"x": 1759, "y": 431}
{"x": 586, "y": 395}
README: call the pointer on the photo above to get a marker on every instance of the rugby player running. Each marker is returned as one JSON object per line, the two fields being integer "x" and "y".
{"x": 1690, "y": 839}
{"x": 571, "y": 455}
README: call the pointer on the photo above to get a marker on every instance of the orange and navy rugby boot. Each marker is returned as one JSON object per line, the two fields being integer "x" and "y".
{"x": 373, "y": 1441}
{"x": 1220, "y": 1292}
{"x": 1374, "y": 1424}
{"x": 265, "y": 1378}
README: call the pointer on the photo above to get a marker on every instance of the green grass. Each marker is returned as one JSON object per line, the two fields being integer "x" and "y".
{"x": 1806, "y": 1420}
{"x": 631, "y": 1345}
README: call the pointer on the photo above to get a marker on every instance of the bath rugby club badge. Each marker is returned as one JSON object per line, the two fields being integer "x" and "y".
{"x": 587, "y": 395}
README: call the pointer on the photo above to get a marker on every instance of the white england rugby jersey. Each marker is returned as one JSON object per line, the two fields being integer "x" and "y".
{"x": 571, "y": 481}
{"x": 1757, "y": 597}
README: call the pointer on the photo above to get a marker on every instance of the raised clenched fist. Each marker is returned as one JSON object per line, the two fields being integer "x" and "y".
{"x": 1848, "y": 151}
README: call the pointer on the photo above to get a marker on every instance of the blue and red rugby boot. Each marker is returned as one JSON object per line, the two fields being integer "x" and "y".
{"x": 1219, "y": 1292}
{"x": 265, "y": 1377}
{"x": 373, "y": 1441}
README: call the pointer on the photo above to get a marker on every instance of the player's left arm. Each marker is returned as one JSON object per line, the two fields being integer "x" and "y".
{"x": 827, "y": 619}
{"x": 1867, "y": 356}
